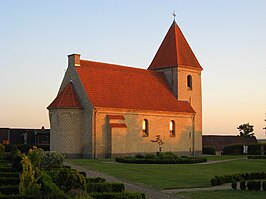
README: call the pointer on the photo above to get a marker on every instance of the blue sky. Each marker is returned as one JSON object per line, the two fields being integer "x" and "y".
{"x": 228, "y": 38}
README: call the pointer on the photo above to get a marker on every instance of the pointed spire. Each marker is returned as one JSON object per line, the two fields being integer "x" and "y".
{"x": 174, "y": 51}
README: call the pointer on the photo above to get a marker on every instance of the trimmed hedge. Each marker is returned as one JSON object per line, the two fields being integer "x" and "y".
{"x": 219, "y": 180}
{"x": 95, "y": 180}
{"x": 264, "y": 185}
{"x": 191, "y": 160}
{"x": 105, "y": 187}
{"x": 9, "y": 189}
{"x": 9, "y": 174}
{"x": 9, "y": 181}
{"x": 24, "y": 148}
{"x": 208, "y": 150}
{"x": 257, "y": 157}
{"x": 122, "y": 195}
{"x": 5, "y": 169}
{"x": 233, "y": 150}
{"x": 16, "y": 197}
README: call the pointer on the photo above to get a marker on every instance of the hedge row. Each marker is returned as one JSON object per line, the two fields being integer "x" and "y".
{"x": 208, "y": 150}
{"x": 122, "y": 195}
{"x": 251, "y": 185}
{"x": 95, "y": 180}
{"x": 5, "y": 169}
{"x": 162, "y": 161}
{"x": 253, "y": 149}
{"x": 218, "y": 180}
{"x": 16, "y": 197}
{"x": 9, "y": 180}
{"x": 9, "y": 174}
{"x": 24, "y": 148}
{"x": 9, "y": 189}
{"x": 105, "y": 187}
{"x": 257, "y": 157}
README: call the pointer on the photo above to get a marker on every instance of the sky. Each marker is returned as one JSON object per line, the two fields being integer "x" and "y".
{"x": 228, "y": 38}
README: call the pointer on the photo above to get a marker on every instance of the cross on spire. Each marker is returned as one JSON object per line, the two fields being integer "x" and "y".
{"x": 174, "y": 14}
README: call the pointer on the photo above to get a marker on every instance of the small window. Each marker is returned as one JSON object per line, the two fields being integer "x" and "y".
{"x": 172, "y": 128}
{"x": 189, "y": 82}
{"x": 189, "y": 134}
{"x": 145, "y": 128}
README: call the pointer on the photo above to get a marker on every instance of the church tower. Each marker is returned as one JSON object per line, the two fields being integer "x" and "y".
{"x": 183, "y": 74}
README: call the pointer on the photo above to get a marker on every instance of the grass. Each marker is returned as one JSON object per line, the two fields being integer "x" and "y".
{"x": 223, "y": 194}
{"x": 170, "y": 176}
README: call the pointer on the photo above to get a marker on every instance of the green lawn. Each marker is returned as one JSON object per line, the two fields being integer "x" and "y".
{"x": 223, "y": 194}
{"x": 171, "y": 176}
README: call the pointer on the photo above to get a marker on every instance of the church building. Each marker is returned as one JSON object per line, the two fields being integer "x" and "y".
{"x": 107, "y": 110}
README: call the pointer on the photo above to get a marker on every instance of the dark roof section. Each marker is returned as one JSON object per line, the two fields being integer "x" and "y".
{"x": 67, "y": 98}
{"x": 114, "y": 86}
{"x": 219, "y": 141}
{"x": 174, "y": 51}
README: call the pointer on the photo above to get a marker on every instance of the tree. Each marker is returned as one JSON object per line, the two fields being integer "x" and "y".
{"x": 246, "y": 130}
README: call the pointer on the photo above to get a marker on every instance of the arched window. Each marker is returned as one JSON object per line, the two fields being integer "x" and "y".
{"x": 145, "y": 128}
{"x": 172, "y": 128}
{"x": 189, "y": 82}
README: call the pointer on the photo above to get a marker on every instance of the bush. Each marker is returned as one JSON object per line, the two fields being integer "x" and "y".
{"x": 17, "y": 196}
{"x": 24, "y": 148}
{"x": 150, "y": 156}
{"x": 9, "y": 181}
{"x": 95, "y": 180}
{"x": 233, "y": 150}
{"x": 9, "y": 189}
{"x": 257, "y": 185}
{"x": 254, "y": 149}
{"x": 105, "y": 187}
{"x": 9, "y": 174}
{"x": 5, "y": 169}
{"x": 251, "y": 185}
{"x": 243, "y": 185}
{"x": 2, "y": 151}
{"x": 48, "y": 188}
{"x": 69, "y": 179}
{"x": 122, "y": 195}
{"x": 138, "y": 156}
{"x": 234, "y": 185}
{"x": 51, "y": 160}
{"x": 264, "y": 185}
{"x": 167, "y": 156}
{"x": 257, "y": 157}
{"x": 208, "y": 150}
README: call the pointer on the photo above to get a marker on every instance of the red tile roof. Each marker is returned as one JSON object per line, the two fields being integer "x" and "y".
{"x": 67, "y": 98}
{"x": 115, "y": 86}
{"x": 174, "y": 51}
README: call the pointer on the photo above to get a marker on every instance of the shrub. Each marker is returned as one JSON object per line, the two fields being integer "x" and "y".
{"x": 9, "y": 181}
{"x": 234, "y": 185}
{"x": 95, "y": 180}
{"x": 51, "y": 160}
{"x": 9, "y": 174}
{"x": 2, "y": 151}
{"x": 28, "y": 183}
{"x": 257, "y": 185}
{"x": 48, "y": 188}
{"x": 233, "y": 150}
{"x": 16, "y": 165}
{"x": 243, "y": 185}
{"x": 105, "y": 187}
{"x": 264, "y": 185}
{"x": 138, "y": 156}
{"x": 69, "y": 179}
{"x": 250, "y": 185}
{"x": 150, "y": 156}
{"x": 254, "y": 149}
{"x": 257, "y": 157}
{"x": 214, "y": 181}
{"x": 122, "y": 195}
{"x": 36, "y": 155}
{"x": 167, "y": 156}
{"x": 9, "y": 189}
{"x": 208, "y": 150}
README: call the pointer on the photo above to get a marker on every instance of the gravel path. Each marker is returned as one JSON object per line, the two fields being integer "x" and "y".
{"x": 152, "y": 193}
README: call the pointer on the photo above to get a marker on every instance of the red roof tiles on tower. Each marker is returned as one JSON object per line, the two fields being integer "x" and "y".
{"x": 67, "y": 98}
{"x": 174, "y": 51}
